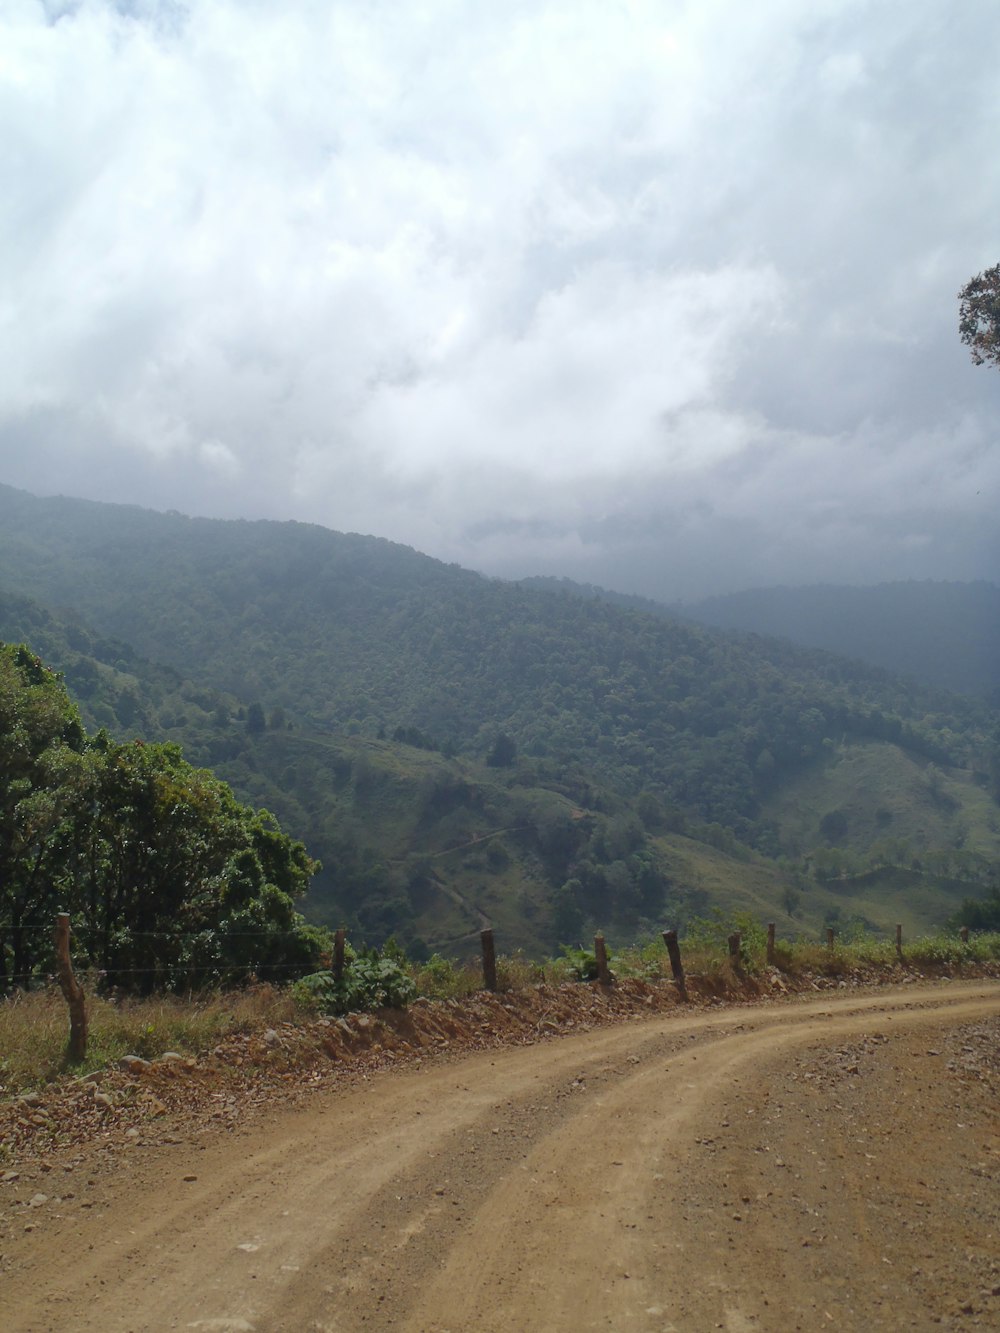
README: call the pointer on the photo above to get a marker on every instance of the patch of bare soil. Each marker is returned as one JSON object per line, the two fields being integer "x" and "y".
{"x": 855, "y": 1183}
{"x": 811, "y": 1163}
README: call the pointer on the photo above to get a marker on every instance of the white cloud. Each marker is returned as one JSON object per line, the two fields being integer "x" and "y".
{"x": 541, "y": 282}
{"x": 219, "y": 458}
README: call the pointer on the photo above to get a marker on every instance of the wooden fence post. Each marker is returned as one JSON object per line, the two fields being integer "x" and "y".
{"x": 735, "y": 940}
{"x": 339, "y": 940}
{"x": 899, "y": 943}
{"x": 829, "y": 937}
{"x": 73, "y": 992}
{"x": 964, "y": 934}
{"x": 771, "y": 956}
{"x": 489, "y": 960}
{"x": 601, "y": 954}
{"x": 676, "y": 968}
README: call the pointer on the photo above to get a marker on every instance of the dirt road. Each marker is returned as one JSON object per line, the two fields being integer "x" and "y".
{"x": 803, "y": 1165}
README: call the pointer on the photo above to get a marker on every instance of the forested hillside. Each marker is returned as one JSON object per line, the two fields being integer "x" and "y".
{"x": 455, "y": 748}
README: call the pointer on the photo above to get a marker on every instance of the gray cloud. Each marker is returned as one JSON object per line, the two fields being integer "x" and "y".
{"x": 660, "y": 294}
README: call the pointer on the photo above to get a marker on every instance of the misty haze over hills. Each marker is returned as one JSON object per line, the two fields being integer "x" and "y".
{"x": 945, "y": 634}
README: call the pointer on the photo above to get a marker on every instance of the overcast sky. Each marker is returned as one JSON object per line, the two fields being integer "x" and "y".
{"x": 657, "y": 295}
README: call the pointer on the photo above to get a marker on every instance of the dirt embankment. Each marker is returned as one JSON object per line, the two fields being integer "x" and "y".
{"x": 244, "y": 1071}
{"x": 813, "y": 1162}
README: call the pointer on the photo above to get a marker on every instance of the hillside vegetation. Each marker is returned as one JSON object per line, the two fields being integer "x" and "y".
{"x": 170, "y": 882}
{"x": 458, "y": 751}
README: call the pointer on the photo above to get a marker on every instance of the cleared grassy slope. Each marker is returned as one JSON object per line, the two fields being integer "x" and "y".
{"x": 884, "y": 792}
{"x": 707, "y": 880}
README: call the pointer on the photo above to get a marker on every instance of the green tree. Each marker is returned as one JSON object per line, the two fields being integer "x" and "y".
{"x": 567, "y": 912}
{"x": 833, "y": 827}
{"x": 504, "y": 751}
{"x": 174, "y": 882}
{"x": 40, "y": 737}
{"x": 791, "y": 900}
{"x": 978, "y": 913}
{"x": 170, "y": 881}
{"x": 979, "y": 316}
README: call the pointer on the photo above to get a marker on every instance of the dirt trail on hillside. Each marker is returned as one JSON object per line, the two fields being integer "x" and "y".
{"x": 823, "y": 1164}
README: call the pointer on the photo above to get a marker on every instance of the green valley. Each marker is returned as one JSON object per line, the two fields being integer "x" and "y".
{"x": 458, "y": 751}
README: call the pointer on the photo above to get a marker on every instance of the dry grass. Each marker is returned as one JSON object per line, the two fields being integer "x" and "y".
{"x": 441, "y": 979}
{"x": 515, "y": 972}
{"x": 34, "y": 1028}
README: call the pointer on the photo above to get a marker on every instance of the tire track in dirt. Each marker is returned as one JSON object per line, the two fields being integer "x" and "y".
{"x": 551, "y": 1187}
{"x": 587, "y": 1237}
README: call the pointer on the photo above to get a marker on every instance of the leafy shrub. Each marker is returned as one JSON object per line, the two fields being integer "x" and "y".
{"x": 371, "y": 981}
{"x": 582, "y": 963}
{"x": 646, "y": 961}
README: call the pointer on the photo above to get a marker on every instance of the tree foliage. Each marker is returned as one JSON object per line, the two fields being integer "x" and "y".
{"x": 979, "y": 317}
{"x": 979, "y": 913}
{"x": 503, "y": 753}
{"x": 169, "y": 880}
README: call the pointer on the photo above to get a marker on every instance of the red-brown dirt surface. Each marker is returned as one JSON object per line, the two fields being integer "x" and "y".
{"x": 816, "y": 1162}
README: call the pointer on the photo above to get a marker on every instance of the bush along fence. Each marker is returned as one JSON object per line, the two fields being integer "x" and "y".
{"x": 368, "y": 979}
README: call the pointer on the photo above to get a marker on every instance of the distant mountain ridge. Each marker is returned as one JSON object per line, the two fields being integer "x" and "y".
{"x": 395, "y": 712}
{"x": 944, "y": 634}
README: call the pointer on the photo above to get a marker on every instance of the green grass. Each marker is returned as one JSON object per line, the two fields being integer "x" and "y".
{"x": 885, "y": 898}
{"x": 705, "y": 952}
{"x": 414, "y": 807}
{"x": 708, "y": 877}
{"x": 884, "y": 792}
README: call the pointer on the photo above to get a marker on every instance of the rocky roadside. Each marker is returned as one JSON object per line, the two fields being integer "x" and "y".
{"x": 855, "y": 1183}
{"x": 152, "y": 1101}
